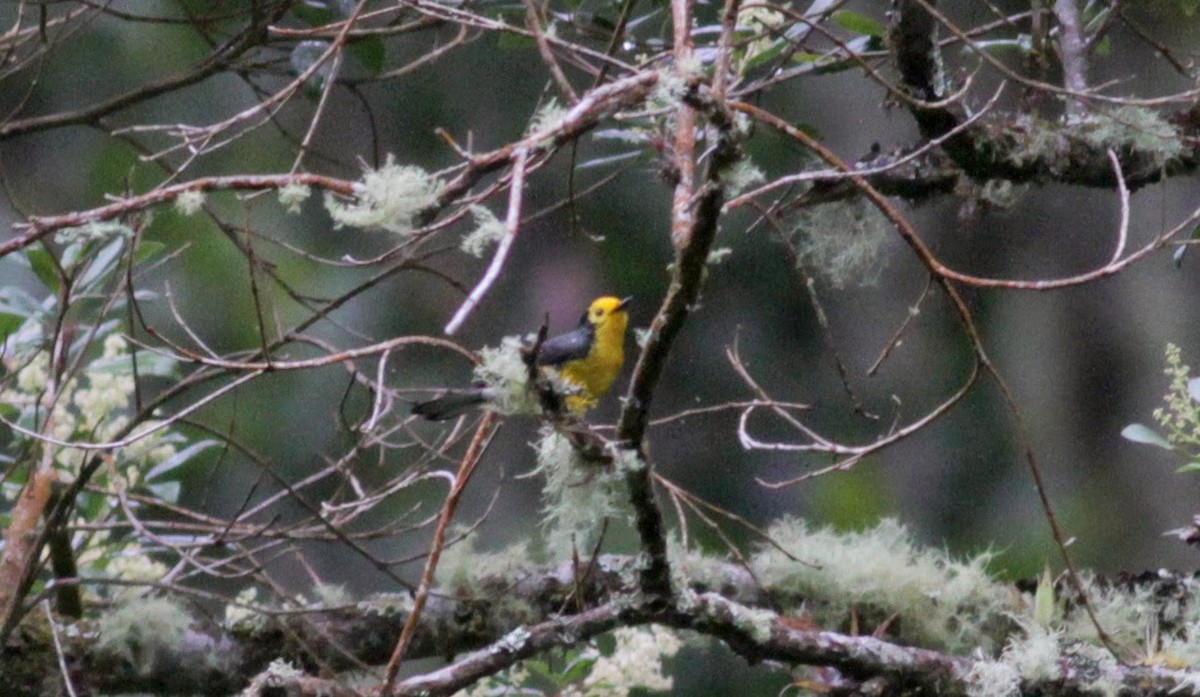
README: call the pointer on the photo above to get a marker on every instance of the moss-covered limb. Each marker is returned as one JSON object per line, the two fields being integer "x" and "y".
{"x": 1149, "y": 146}
{"x": 759, "y": 635}
{"x": 922, "y": 614}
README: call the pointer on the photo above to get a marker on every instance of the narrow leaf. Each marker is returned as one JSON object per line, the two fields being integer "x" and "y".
{"x": 1139, "y": 433}
{"x": 859, "y": 23}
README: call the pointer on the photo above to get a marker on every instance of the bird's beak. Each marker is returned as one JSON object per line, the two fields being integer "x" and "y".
{"x": 625, "y": 303}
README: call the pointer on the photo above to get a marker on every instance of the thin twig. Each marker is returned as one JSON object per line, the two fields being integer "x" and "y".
{"x": 483, "y": 435}
{"x": 512, "y": 223}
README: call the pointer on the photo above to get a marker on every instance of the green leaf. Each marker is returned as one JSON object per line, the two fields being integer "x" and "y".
{"x": 44, "y": 267}
{"x": 514, "y": 41}
{"x": 577, "y": 669}
{"x": 311, "y": 15}
{"x": 9, "y": 323}
{"x": 1144, "y": 434}
{"x": 179, "y": 458}
{"x": 1104, "y": 48}
{"x": 370, "y": 53}
{"x": 147, "y": 250}
{"x": 1189, "y": 467}
{"x": 1043, "y": 600}
{"x": 101, "y": 263}
{"x": 165, "y": 491}
{"x": 859, "y": 23}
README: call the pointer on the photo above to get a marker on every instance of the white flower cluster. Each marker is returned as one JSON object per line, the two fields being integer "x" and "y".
{"x": 635, "y": 663}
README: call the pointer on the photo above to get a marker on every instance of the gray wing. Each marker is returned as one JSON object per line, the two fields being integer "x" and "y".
{"x": 571, "y": 346}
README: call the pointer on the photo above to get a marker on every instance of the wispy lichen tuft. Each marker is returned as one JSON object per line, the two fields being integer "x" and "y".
{"x": 577, "y": 496}
{"x": 842, "y": 241}
{"x": 389, "y": 198}
{"x": 1139, "y": 128}
{"x": 142, "y": 631}
{"x": 503, "y": 370}
{"x": 547, "y": 116}
{"x": 880, "y": 573}
{"x": 190, "y": 202}
{"x": 741, "y": 176}
{"x": 292, "y": 196}
{"x": 488, "y": 231}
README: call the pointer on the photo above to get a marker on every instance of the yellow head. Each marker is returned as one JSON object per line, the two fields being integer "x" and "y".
{"x": 608, "y": 314}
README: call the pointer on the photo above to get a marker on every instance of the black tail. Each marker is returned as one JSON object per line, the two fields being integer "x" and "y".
{"x": 452, "y": 405}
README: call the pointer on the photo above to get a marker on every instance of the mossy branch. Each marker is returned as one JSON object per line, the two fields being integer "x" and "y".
{"x": 500, "y": 620}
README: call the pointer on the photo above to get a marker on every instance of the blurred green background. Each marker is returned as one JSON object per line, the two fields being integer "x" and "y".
{"x": 1082, "y": 363}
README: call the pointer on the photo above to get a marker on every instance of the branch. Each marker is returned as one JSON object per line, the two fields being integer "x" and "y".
{"x": 487, "y": 621}
{"x": 220, "y": 60}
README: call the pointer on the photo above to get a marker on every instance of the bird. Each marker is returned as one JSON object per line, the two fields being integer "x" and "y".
{"x": 587, "y": 358}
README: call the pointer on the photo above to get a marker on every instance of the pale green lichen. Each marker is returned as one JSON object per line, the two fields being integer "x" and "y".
{"x": 692, "y": 568}
{"x": 1033, "y": 139}
{"x": 329, "y": 595}
{"x": 718, "y": 255}
{"x": 142, "y": 631}
{"x": 389, "y": 198}
{"x": 1098, "y": 662}
{"x": 388, "y": 605}
{"x": 626, "y": 459}
{"x": 292, "y": 196}
{"x": 462, "y": 564}
{"x": 880, "y": 573}
{"x": 504, "y": 371}
{"x": 514, "y": 641}
{"x": 548, "y": 116}
{"x": 241, "y": 611}
{"x": 842, "y": 241}
{"x": 94, "y": 230}
{"x": 993, "y": 679}
{"x": 577, "y": 496}
{"x": 754, "y": 621}
{"x": 1002, "y": 193}
{"x": 190, "y": 202}
{"x": 1131, "y": 127}
{"x": 1125, "y": 614}
{"x": 1035, "y": 654}
{"x": 488, "y": 231}
{"x": 741, "y": 176}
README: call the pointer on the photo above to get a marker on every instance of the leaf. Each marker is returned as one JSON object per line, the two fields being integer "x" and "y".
{"x": 179, "y": 458}
{"x": 514, "y": 41}
{"x": 1043, "y": 600}
{"x": 1189, "y": 467}
{"x": 101, "y": 263}
{"x": 859, "y": 23}
{"x": 44, "y": 267}
{"x": 165, "y": 491}
{"x": 370, "y": 53}
{"x": 1139, "y": 433}
{"x": 147, "y": 250}
{"x": 9, "y": 323}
